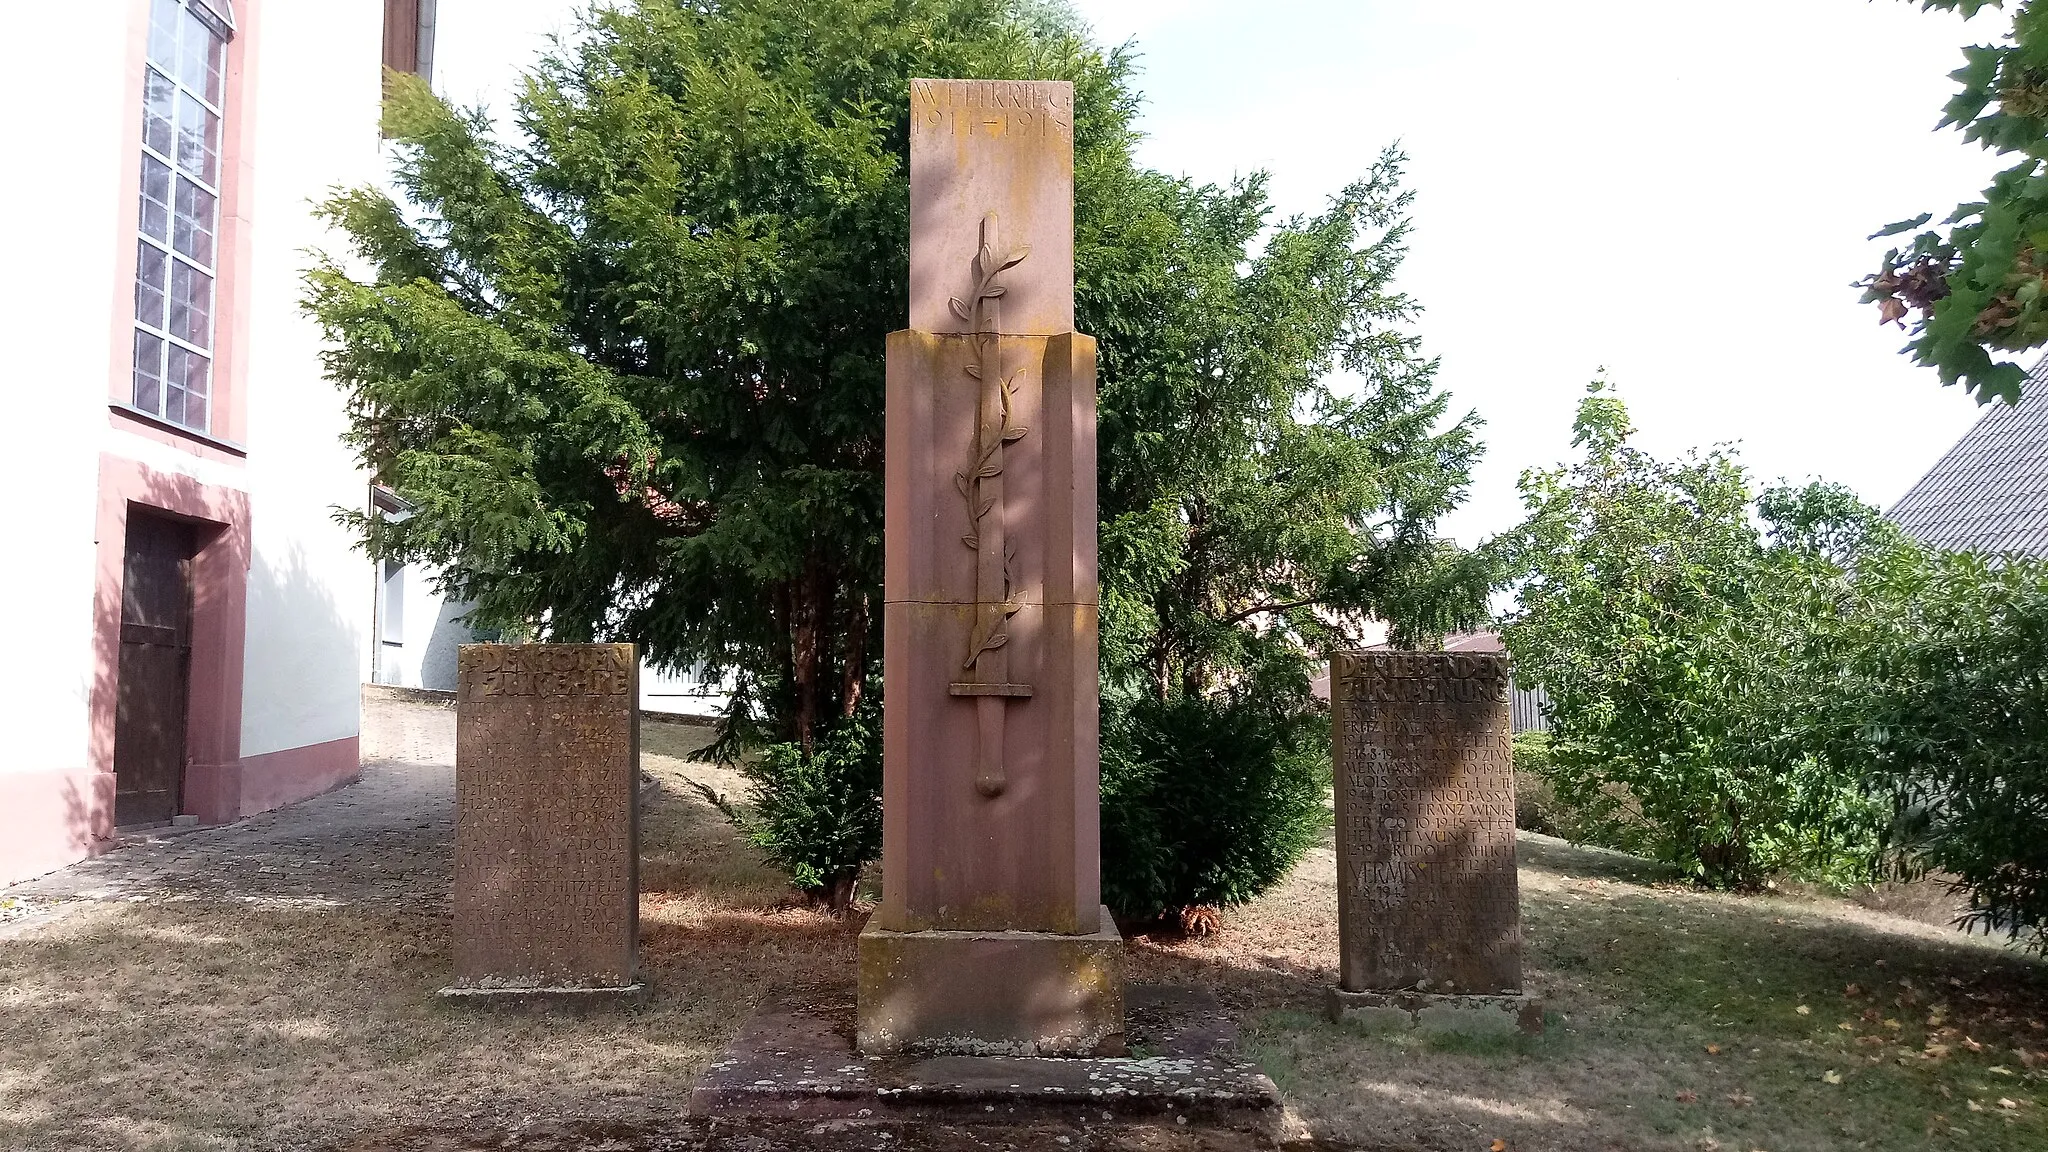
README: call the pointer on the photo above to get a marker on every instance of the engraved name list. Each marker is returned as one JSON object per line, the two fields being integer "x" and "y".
{"x": 1425, "y": 823}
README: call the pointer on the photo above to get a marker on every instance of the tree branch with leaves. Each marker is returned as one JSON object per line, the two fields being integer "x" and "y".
{"x": 1977, "y": 285}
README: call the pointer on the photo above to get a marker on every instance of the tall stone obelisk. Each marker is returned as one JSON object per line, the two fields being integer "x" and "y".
{"x": 991, "y": 937}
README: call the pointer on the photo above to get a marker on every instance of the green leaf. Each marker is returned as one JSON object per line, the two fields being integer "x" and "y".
{"x": 1902, "y": 226}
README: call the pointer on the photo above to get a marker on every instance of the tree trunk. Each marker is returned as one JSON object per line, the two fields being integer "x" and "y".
{"x": 854, "y": 668}
{"x": 838, "y": 895}
{"x": 810, "y": 608}
{"x": 783, "y": 601}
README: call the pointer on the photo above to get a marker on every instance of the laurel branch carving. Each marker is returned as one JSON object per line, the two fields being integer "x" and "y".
{"x": 984, "y": 367}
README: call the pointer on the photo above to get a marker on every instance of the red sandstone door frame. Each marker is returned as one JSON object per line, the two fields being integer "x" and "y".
{"x": 219, "y": 577}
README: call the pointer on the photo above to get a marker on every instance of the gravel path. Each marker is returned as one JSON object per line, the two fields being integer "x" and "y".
{"x": 388, "y": 839}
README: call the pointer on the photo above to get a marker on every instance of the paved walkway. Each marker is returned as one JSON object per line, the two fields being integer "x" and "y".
{"x": 388, "y": 839}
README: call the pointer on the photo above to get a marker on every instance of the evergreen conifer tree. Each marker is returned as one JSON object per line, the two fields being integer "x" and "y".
{"x": 625, "y": 357}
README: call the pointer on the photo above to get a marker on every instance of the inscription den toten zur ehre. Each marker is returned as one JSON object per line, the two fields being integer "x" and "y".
{"x": 991, "y": 936}
{"x": 547, "y": 767}
{"x": 1428, "y": 907}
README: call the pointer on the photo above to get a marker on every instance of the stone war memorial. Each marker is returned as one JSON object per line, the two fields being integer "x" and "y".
{"x": 991, "y": 936}
{"x": 991, "y": 978}
{"x": 1428, "y": 909}
{"x": 547, "y": 768}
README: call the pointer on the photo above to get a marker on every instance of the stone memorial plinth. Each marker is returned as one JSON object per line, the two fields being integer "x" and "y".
{"x": 991, "y": 937}
{"x": 547, "y": 767}
{"x": 1428, "y": 908}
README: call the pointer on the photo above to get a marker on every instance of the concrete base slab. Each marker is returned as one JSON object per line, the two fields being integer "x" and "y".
{"x": 992, "y": 993}
{"x": 753, "y": 1134}
{"x": 1427, "y": 1012}
{"x": 801, "y": 1065}
{"x": 518, "y": 997}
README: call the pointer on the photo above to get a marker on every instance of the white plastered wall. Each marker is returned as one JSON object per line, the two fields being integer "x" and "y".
{"x": 310, "y": 593}
{"x": 420, "y": 652}
{"x": 431, "y": 630}
{"x": 63, "y": 201}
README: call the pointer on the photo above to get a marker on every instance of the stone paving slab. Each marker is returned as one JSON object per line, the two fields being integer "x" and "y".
{"x": 799, "y": 1064}
{"x": 387, "y": 840}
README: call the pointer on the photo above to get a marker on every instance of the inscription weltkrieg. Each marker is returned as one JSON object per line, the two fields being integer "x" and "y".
{"x": 1425, "y": 823}
{"x": 544, "y": 670}
{"x": 1009, "y": 109}
{"x": 546, "y": 826}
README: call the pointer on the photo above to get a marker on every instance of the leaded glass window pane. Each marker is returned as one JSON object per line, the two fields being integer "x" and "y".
{"x": 179, "y": 215}
{"x": 200, "y": 61}
{"x": 164, "y": 16}
{"x": 156, "y": 199}
{"x": 152, "y": 284}
{"x": 195, "y": 214}
{"x": 149, "y": 372}
{"x": 158, "y": 97}
{"x": 185, "y": 387}
{"x": 191, "y": 305}
{"x": 198, "y": 139}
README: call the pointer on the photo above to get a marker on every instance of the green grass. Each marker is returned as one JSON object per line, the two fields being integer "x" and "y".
{"x": 1898, "y": 1035}
{"x": 1676, "y": 1022}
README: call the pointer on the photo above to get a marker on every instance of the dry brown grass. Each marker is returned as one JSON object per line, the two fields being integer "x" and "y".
{"x": 208, "y": 1024}
{"x": 204, "y": 1025}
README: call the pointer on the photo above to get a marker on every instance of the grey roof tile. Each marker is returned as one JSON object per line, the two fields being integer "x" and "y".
{"x": 1989, "y": 493}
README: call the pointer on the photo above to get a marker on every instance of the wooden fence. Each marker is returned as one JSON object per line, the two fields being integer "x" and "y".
{"x": 1532, "y": 710}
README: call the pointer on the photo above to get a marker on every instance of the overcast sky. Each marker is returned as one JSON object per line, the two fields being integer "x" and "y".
{"x": 1677, "y": 192}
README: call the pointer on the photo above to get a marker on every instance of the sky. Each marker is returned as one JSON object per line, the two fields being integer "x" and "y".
{"x": 1677, "y": 193}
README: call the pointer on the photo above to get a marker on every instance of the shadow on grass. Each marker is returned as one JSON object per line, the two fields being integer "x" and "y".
{"x": 1547, "y": 853}
{"x": 1673, "y": 956}
{"x": 1678, "y": 1019}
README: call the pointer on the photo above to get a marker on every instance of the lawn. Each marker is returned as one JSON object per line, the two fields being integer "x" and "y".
{"x": 1679, "y": 1019}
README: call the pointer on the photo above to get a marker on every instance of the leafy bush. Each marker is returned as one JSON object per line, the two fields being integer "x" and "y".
{"x": 1694, "y": 668}
{"x": 1276, "y": 457}
{"x": 1958, "y": 727}
{"x": 1207, "y": 801}
{"x": 1538, "y": 808}
{"x": 817, "y": 817}
{"x": 1535, "y": 803}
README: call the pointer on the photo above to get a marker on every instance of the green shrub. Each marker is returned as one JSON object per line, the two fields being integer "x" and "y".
{"x": 1535, "y": 802}
{"x": 817, "y": 817}
{"x": 1695, "y": 669}
{"x": 1207, "y": 802}
{"x": 1958, "y": 726}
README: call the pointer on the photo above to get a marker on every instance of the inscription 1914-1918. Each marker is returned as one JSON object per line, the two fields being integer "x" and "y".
{"x": 1425, "y": 823}
{"x": 996, "y": 109}
{"x": 488, "y": 670}
{"x": 546, "y": 845}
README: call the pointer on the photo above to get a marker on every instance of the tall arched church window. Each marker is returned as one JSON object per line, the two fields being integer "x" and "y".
{"x": 178, "y": 253}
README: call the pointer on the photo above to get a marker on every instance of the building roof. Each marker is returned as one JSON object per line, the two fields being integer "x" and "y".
{"x": 1990, "y": 492}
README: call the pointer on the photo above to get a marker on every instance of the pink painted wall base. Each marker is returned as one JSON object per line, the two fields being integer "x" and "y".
{"x": 51, "y": 819}
{"x": 286, "y": 777}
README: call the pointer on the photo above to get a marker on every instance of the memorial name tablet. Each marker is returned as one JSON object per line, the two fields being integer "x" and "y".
{"x": 546, "y": 825}
{"x": 1427, "y": 896}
